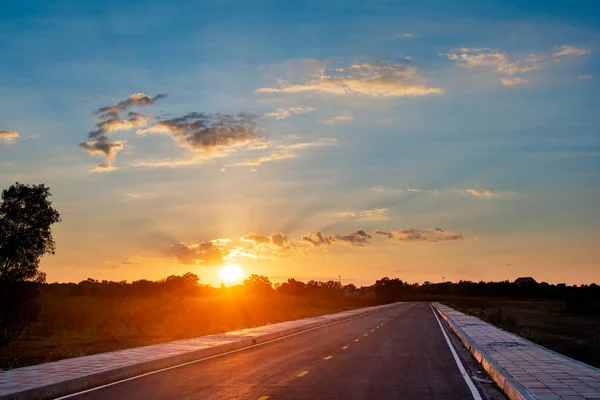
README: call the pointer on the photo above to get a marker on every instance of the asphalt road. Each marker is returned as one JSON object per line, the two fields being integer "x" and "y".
{"x": 399, "y": 353}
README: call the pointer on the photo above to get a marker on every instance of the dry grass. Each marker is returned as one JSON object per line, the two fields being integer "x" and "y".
{"x": 72, "y": 327}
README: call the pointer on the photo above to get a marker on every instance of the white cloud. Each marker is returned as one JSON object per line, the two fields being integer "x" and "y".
{"x": 103, "y": 168}
{"x": 254, "y": 162}
{"x": 285, "y": 150}
{"x": 365, "y": 214}
{"x": 566, "y": 50}
{"x": 370, "y": 79}
{"x": 282, "y": 113}
{"x": 486, "y": 193}
{"x": 304, "y": 145}
{"x": 513, "y": 81}
{"x": 479, "y": 193}
{"x": 499, "y": 61}
{"x": 138, "y": 195}
{"x": 338, "y": 119}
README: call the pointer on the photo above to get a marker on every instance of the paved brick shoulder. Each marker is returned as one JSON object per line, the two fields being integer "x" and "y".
{"x": 542, "y": 373}
{"x": 97, "y": 369}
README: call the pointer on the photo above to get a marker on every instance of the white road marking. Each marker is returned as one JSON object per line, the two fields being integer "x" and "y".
{"x": 463, "y": 372}
{"x": 208, "y": 358}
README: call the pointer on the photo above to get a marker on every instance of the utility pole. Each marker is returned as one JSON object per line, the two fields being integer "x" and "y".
{"x": 443, "y": 279}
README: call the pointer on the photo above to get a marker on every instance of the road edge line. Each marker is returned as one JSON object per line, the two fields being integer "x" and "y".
{"x": 243, "y": 345}
{"x": 474, "y": 392}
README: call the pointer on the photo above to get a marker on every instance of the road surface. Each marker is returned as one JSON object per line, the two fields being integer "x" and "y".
{"x": 399, "y": 353}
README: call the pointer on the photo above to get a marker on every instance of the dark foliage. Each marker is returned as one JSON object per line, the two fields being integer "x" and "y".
{"x": 26, "y": 216}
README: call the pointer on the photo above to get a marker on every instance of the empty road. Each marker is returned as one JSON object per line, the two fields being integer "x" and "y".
{"x": 399, "y": 353}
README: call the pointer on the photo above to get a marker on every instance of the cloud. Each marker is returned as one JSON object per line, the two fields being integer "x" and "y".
{"x": 211, "y": 135}
{"x": 431, "y": 235}
{"x": 513, "y": 81}
{"x": 135, "y": 120}
{"x": 359, "y": 238}
{"x": 274, "y": 246}
{"x": 103, "y": 146}
{"x": 138, "y": 195}
{"x": 487, "y": 194}
{"x": 566, "y": 50}
{"x": 255, "y": 162}
{"x": 282, "y": 113}
{"x": 103, "y": 168}
{"x": 495, "y": 59}
{"x": 370, "y": 79}
{"x": 211, "y": 253}
{"x": 339, "y": 118}
{"x": 136, "y": 99}
{"x": 109, "y": 122}
{"x": 484, "y": 193}
{"x": 9, "y": 136}
{"x": 585, "y": 77}
{"x": 285, "y": 151}
{"x": 480, "y": 193}
{"x": 500, "y": 62}
{"x": 320, "y": 142}
{"x": 317, "y": 239}
{"x": 373, "y": 213}
{"x": 399, "y": 36}
{"x": 168, "y": 162}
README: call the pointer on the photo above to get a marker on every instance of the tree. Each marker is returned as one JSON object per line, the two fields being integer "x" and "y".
{"x": 258, "y": 284}
{"x": 26, "y": 216}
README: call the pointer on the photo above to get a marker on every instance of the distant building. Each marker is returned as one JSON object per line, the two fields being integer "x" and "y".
{"x": 525, "y": 280}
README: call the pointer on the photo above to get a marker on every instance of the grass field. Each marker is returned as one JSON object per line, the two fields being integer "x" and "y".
{"x": 542, "y": 322}
{"x": 45, "y": 345}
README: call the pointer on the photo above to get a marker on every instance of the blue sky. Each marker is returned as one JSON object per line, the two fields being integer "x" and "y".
{"x": 390, "y": 117}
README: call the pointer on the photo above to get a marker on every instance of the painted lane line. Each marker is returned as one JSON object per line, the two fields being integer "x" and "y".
{"x": 356, "y": 340}
{"x": 301, "y": 374}
{"x": 463, "y": 372}
{"x": 344, "y": 348}
{"x": 366, "y": 334}
{"x": 263, "y": 397}
{"x": 209, "y": 358}
{"x": 328, "y": 358}
{"x": 372, "y": 330}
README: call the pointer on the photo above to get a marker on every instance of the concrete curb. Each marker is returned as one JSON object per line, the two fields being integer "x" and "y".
{"x": 66, "y": 387}
{"x": 509, "y": 385}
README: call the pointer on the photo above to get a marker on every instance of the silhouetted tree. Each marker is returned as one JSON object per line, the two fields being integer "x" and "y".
{"x": 26, "y": 216}
{"x": 258, "y": 284}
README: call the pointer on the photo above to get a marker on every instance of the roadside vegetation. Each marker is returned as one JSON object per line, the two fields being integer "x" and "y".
{"x": 41, "y": 322}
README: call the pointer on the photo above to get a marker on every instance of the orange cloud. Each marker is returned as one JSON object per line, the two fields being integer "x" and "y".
{"x": 370, "y": 79}
{"x": 9, "y": 136}
{"x": 282, "y": 113}
{"x": 431, "y": 235}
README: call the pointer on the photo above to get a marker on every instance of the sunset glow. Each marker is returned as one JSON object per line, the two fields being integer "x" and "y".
{"x": 231, "y": 273}
{"x": 374, "y": 139}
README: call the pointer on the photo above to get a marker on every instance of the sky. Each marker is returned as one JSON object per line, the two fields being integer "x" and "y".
{"x": 318, "y": 140}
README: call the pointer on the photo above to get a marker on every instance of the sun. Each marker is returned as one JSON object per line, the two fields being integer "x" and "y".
{"x": 231, "y": 273}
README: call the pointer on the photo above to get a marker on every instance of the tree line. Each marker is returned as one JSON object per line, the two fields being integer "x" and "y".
{"x": 180, "y": 306}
